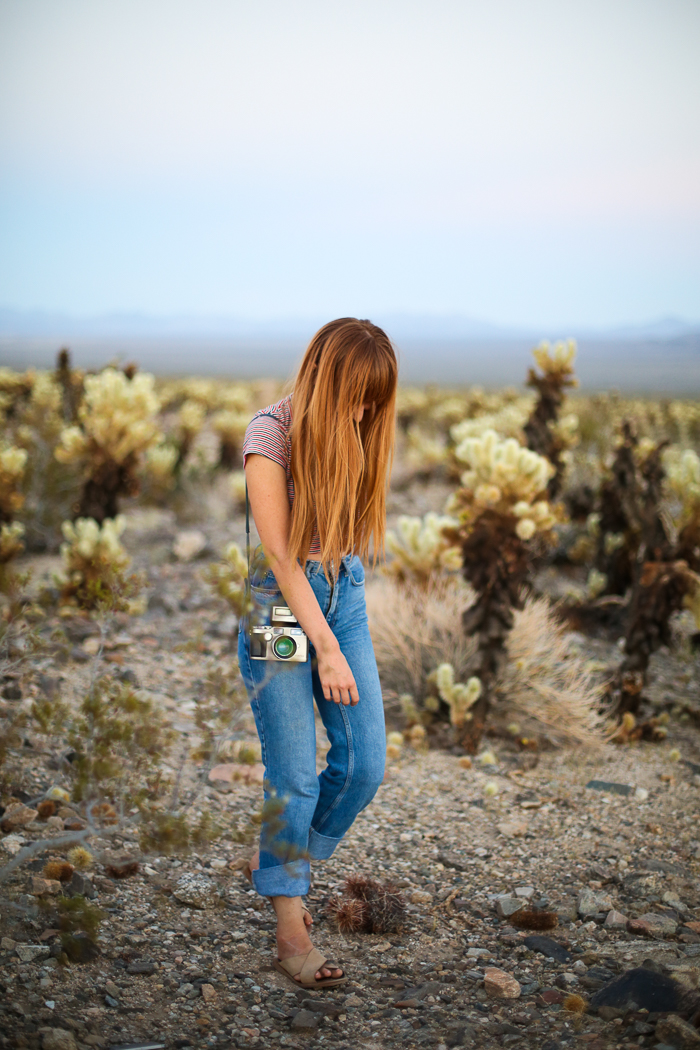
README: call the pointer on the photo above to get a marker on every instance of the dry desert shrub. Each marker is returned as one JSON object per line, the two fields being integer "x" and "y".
{"x": 414, "y": 629}
{"x": 543, "y": 686}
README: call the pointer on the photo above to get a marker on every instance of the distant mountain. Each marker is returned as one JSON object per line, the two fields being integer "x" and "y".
{"x": 401, "y": 326}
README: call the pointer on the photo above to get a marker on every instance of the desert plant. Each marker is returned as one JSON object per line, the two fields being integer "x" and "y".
{"x": 117, "y": 425}
{"x": 13, "y": 462}
{"x": 459, "y": 697}
{"x": 368, "y": 906}
{"x": 664, "y": 583}
{"x": 230, "y": 426}
{"x": 504, "y": 516}
{"x": 11, "y": 546}
{"x": 190, "y": 421}
{"x": 546, "y": 432}
{"x": 420, "y": 549}
{"x": 228, "y": 579}
{"x": 51, "y": 489}
{"x": 158, "y": 472}
{"x": 96, "y": 565}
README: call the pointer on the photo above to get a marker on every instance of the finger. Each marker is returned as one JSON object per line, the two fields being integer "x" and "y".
{"x": 327, "y": 692}
{"x": 354, "y": 695}
{"x": 345, "y": 697}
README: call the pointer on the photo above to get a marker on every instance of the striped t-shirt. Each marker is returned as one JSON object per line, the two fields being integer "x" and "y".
{"x": 267, "y": 434}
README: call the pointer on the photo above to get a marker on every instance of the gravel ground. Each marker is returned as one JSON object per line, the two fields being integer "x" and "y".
{"x": 181, "y": 975}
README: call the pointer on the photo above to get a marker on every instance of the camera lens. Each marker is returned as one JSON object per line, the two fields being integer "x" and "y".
{"x": 284, "y": 647}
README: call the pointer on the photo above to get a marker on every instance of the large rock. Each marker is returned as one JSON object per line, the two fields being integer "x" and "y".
{"x": 57, "y": 1039}
{"x": 500, "y": 985}
{"x": 678, "y": 1033}
{"x": 29, "y": 953}
{"x": 590, "y": 902}
{"x": 17, "y": 815}
{"x": 189, "y": 544}
{"x": 547, "y": 947}
{"x": 507, "y": 906}
{"x": 197, "y": 891}
{"x": 652, "y": 925}
{"x": 639, "y": 989}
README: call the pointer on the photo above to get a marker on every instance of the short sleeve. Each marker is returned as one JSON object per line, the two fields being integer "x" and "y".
{"x": 266, "y": 436}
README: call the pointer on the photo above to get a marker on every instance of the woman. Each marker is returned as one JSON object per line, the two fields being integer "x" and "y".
{"x": 317, "y": 464}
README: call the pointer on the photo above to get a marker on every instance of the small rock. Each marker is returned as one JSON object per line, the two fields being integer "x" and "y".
{"x": 12, "y": 691}
{"x": 79, "y": 655}
{"x": 526, "y": 892}
{"x": 80, "y": 886}
{"x": 608, "y": 785}
{"x": 590, "y": 902}
{"x": 29, "y": 953}
{"x": 596, "y": 977}
{"x": 111, "y": 1002}
{"x": 197, "y": 891}
{"x": 673, "y": 901}
{"x": 551, "y": 996}
{"x": 500, "y": 985}
{"x": 453, "y": 860}
{"x": 305, "y": 1019}
{"x": 17, "y": 815}
{"x": 189, "y": 544}
{"x": 57, "y": 1039}
{"x": 512, "y": 829}
{"x": 678, "y": 1033}
{"x": 208, "y": 993}
{"x": 616, "y": 920}
{"x": 641, "y": 795}
{"x": 143, "y": 966}
{"x": 652, "y": 925}
{"x": 44, "y": 887}
{"x": 7, "y": 944}
{"x": 507, "y": 906}
{"x": 548, "y": 947}
{"x": 111, "y": 989}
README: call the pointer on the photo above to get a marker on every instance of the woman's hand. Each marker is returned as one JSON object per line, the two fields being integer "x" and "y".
{"x": 337, "y": 680}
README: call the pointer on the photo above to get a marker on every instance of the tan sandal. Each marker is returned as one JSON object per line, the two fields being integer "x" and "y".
{"x": 306, "y": 966}
{"x": 247, "y": 871}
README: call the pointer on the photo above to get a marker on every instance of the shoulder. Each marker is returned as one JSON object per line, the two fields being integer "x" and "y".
{"x": 268, "y": 431}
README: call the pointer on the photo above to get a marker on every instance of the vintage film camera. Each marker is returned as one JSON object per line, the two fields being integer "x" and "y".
{"x": 283, "y": 639}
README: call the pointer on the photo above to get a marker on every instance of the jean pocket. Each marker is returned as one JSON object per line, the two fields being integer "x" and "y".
{"x": 356, "y": 572}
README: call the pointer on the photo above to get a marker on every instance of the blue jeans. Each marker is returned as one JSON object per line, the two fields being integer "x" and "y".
{"x": 319, "y": 809}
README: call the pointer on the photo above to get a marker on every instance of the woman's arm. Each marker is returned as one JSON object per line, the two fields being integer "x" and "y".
{"x": 269, "y": 502}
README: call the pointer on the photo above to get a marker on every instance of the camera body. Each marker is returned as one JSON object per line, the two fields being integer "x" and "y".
{"x": 282, "y": 640}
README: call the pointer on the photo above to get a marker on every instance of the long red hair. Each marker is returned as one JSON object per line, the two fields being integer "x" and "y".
{"x": 341, "y": 467}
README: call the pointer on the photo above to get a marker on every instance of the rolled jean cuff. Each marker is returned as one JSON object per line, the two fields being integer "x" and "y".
{"x": 283, "y": 880}
{"x": 321, "y": 847}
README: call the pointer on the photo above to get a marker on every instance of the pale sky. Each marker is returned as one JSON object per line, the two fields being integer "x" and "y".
{"x": 518, "y": 161}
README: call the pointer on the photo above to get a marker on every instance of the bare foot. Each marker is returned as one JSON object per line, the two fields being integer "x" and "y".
{"x": 292, "y": 936}
{"x": 254, "y": 863}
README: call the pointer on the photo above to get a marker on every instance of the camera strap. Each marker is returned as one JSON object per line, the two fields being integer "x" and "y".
{"x": 247, "y": 541}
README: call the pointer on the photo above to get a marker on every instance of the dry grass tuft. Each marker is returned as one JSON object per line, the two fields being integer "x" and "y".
{"x": 415, "y": 629}
{"x": 534, "y": 920}
{"x": 544, "y": 688}
{"x": 46, "y": 809}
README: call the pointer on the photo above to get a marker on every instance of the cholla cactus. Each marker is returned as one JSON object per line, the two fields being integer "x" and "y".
{"x": 236, "y": 486}
{"x": 228, "y": 579}
{"x": 95, "y": 563}
{"x": 11, "y": 546}
{"x": 190, "y": 421}
{"x": 459, "y": 697}
{"x": 508, "y": 421}
{"x": 118, "y": 424}
{"x": 503, "y": 512}
{"x": 13, "y": 461}
{"x": 230, "y": 426}
{"x": 425, "y": 453}
{"x": 545, "y": 433}
{"x": 159, "y": 470}
{"x": 420, "y": 548}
